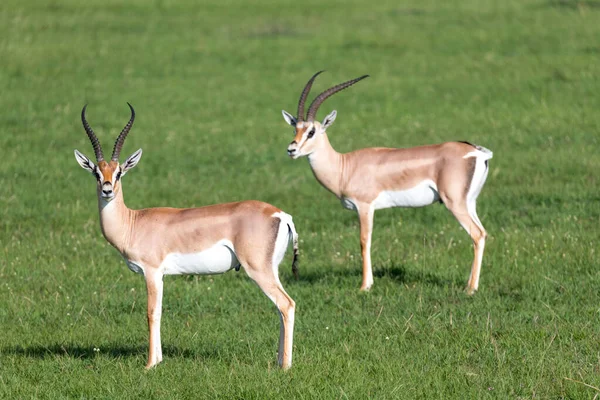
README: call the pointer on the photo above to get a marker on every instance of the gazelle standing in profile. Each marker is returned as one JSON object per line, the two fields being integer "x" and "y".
{"x": 206, "y": 240}
{"x": 370, "y": 179}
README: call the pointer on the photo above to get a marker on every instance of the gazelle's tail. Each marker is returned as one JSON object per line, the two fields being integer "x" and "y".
{"x": 294, "y": 236}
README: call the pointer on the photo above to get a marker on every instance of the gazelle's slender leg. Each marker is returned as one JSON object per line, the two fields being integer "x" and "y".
{"x": 478, "y": 246}
{"x": 365, "y": 216}
{"x": 469, "y": 220}
{"x": 270, "y": 285}
{"x": 286, "y": 328}
{"x": 154, "y": 285}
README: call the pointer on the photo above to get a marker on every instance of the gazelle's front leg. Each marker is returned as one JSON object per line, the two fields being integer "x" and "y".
{"x": 154, "y": 285}
{"x": 365, "y": 216}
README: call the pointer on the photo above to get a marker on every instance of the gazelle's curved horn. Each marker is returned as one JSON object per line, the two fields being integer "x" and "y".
{"x": 122, "y": 136}
{"x": 92, "y": 136}
{"x": 314, "y": 106}
{"x": 300, "y": 115}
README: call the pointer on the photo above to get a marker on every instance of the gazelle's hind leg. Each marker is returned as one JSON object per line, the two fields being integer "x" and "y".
{"x": 264, "y": 270}
{"x": 269, "y": 283}
{"x": 469, "y": 220}
{"x": 463, "y": 206}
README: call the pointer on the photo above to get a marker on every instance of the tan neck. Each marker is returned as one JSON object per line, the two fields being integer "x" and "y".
{"x": 116, "y": 220}
{"x": 327, "y": 166}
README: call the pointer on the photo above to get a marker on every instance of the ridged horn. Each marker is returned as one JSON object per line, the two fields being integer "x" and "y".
{"x": 92, "y": 136}
{"x": 314, "y": 106}
{"x": 122, "y": 136}
{"x": 300, "y": 115}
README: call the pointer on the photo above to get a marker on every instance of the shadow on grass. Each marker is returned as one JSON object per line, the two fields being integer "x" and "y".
{"x": 574, "y": 4}
{"x": 401, "y": 275}
{"x": 397, "y": 273}
{"x": 87, "y": 352}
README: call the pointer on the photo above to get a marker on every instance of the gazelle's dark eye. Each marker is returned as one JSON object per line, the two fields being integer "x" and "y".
{"x": 118, "y": 175}
{"x": 311, "y": 133}
{"x": 97, "y": 175}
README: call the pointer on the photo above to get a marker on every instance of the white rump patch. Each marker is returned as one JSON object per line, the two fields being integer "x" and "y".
{"x": 423, "y": 194}
{"x": 285, "y": 234}
{"x": 282, "y": 241}
{"x": 217, "y": 259}
{"x": 480, "y": 152}
{"x": 479, "y": 177}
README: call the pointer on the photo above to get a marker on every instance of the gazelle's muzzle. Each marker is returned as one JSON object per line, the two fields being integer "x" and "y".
{"x": 292, "y": 150}
{"x": 107, "y": 190}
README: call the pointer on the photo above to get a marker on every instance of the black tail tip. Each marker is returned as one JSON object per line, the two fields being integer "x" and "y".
{"x": 295, "y": 266}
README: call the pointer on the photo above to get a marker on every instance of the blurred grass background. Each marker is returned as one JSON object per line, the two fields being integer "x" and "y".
{"x": 208, "y": 81}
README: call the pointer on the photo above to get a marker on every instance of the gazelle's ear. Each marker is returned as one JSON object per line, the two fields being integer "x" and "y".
{"x": 329, "y": 119}
{"x": 131, "y": 162}
{"x": 289, "y": 118}
{"x": 85, "y": 162}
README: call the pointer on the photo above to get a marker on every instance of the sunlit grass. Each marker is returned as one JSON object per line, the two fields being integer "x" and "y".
{"x": 208, "y": 81}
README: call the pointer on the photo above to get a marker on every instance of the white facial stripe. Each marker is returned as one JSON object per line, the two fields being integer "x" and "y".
{"x": 113, "y": 181}
{"x": 115, "y": 174}
{"x": 99, "y": 174}
{"x": 305, "y": 135}
{"x": 107, "y": 186}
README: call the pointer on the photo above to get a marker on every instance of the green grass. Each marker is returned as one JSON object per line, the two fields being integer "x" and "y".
{"x": 208, "y": 80}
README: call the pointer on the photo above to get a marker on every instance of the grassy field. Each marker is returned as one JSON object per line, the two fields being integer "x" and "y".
{"x": 208, "y": 80}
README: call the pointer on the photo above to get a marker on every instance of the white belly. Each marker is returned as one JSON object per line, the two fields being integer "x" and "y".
{"x": 423, "y": 194}
{"x": 217, "y": 259}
